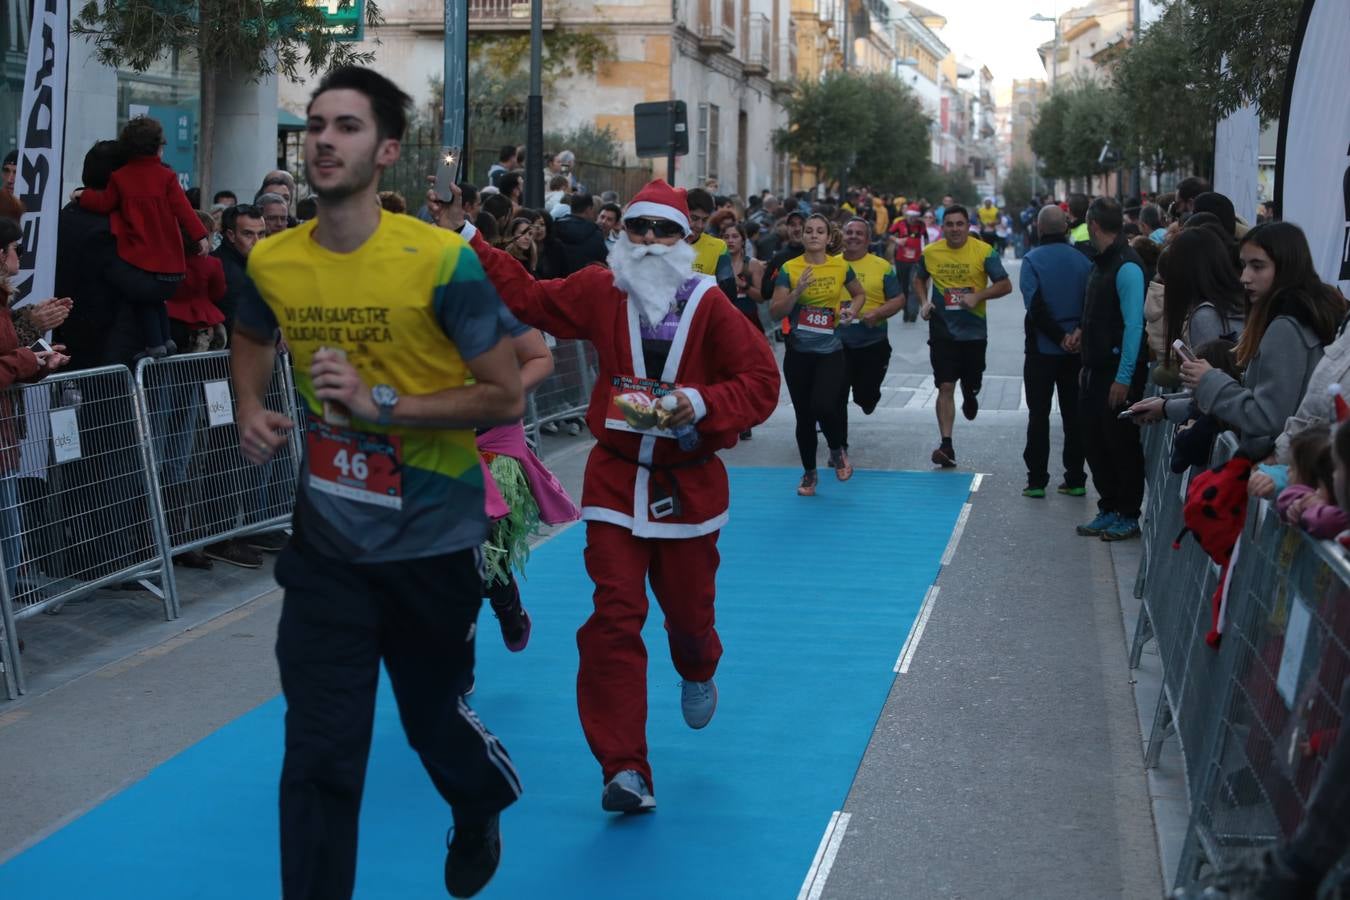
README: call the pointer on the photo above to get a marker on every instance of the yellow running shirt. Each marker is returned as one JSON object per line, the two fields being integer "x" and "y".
{"x": 815, "y": 318}
{"x": 408, "y": 307}
{"x": 879, "y": 283}
{"x": 955, "y": 272}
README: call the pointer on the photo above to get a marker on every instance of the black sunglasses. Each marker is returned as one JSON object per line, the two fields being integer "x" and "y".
{"x": 662, "y": 228}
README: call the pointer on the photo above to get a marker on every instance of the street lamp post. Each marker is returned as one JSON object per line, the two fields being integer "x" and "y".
{"x": 1054, "y": 50}
{"x": 534, "y": 111}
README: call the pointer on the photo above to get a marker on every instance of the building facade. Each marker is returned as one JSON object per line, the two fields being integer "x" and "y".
{"x": 100, "y": 100}
{"x": 1027, "y": 96}
{"x": 730, "y": 61}
{"x": 1084, "y": 37}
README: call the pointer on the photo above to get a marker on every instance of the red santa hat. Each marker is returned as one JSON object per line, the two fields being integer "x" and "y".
{"x": 659, "y": 200}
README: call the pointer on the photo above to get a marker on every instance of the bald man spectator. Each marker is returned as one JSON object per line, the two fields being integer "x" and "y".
{"x": 1054, "y": 285}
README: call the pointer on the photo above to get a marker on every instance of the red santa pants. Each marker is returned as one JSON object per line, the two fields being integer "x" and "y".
{"x": 612, "y": 678}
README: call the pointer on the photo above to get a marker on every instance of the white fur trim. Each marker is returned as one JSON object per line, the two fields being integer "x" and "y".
{"x": 657, "y": 211}
{"x": 696, "y": 400}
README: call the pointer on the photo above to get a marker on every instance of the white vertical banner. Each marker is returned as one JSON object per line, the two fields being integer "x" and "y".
{"x": 1313, "y": 169}
{"x": 42, "y": 132}
{"x": 1237, "y": 167}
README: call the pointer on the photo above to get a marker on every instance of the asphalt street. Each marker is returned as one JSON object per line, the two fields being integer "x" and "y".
{"x": 1005, "y": 762}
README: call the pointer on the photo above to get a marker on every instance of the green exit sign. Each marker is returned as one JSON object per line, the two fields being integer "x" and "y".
{"x": 346, "y": 19}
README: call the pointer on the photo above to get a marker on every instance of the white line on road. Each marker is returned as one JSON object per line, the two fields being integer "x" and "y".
{"x": 956, "y": 535}
{"x": 976, "y": 482}
{"x": 814, "y": 885}
{"x": 915, "y": 632}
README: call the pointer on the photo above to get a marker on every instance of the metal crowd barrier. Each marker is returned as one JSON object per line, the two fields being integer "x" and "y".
{"x": 1175, "y": 586}
{"x": 208, "y": 492}
{"x": 105, "y": 477}
{"x": 78, "y": 509}
{"x": 1256, "y": 717}
{"x": 566, "y": 394}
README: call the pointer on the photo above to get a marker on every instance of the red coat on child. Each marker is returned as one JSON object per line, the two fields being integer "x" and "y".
{"x": 203, "y": 287}
{"x": 148, "y": 212}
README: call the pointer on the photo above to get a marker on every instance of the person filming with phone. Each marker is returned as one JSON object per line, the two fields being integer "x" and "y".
{"x": 1293, "y": 316}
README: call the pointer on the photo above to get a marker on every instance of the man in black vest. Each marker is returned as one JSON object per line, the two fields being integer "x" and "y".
{"x": 1113, "y": 368}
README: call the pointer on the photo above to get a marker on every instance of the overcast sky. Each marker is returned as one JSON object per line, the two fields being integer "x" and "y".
{"x": 998, "y": 33}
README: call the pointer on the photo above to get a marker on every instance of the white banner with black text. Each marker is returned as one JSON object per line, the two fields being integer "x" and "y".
{"x": 42, "y": 132}
{"x": 1313, "y": 187}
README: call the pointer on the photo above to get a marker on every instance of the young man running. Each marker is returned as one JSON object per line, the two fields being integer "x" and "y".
{"x": 964, "y": 273}
{"x": 387, "y": 318}
{"x": 711, "y": 256}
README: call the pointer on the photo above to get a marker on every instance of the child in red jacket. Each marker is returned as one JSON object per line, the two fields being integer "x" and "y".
{"x": 148, "y": 213}
{"x": 194, "y": 311}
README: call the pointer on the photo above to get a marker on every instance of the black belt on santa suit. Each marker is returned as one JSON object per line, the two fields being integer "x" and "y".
{"x": 665, "y": 492}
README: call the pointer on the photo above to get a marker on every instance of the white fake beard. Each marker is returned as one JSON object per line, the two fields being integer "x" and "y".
{"x": 650, "y": 274}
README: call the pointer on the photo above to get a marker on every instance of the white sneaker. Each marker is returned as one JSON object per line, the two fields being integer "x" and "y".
{"x": 627, "y": 792}
{"x": 698, "y": 702}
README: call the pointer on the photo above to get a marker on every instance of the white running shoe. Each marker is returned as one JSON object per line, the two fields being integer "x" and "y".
{"x": 627, "y": 792}
{"x": 698, "y": 702}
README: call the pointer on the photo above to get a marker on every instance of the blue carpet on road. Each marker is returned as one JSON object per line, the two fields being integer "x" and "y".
{"x": 815, "y": 598}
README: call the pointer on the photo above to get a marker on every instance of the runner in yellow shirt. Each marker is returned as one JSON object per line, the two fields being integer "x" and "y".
{"x": 955, "y": 276}
{"x": 867, "y": 349}
{"x": 710, "y": 253}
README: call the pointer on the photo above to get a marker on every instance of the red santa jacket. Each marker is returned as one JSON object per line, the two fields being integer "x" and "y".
{"x": 147, "y": 209}
{"x": 719, "y": 359}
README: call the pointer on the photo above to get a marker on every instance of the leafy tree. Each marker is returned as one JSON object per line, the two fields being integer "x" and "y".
{"x": 1243, "y": 46}
{"x": 1092, "y": 119}
{"x": 1047, "y": 136}
{"x": 499, "y": 85}
{"x": 1017, "y": 187}
{"x": 1167, "y": 113}
{"x": 248, "y": 39}
{"x": 870, "y": 123}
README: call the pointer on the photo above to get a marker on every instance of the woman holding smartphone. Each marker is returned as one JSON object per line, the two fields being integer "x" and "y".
{"x": 819, "y": 293}
{"x": 1292, "y": 317}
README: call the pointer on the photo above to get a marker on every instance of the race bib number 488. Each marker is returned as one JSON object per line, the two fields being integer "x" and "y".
{"x": 816, "y": 319}
{"x": 355, "y": 465}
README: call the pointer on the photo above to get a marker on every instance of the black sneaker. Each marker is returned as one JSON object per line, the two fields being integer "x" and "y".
{"x": 970, "y": 406}
{"x": 945, "y": 457}
{"x": 471, "y": 857}
{"x": 267, "y": 541}
{"x": 511, "y": 616}
{"x": 236, "y": 553}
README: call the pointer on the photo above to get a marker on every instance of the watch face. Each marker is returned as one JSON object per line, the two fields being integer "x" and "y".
{"x": 383, "y": 395}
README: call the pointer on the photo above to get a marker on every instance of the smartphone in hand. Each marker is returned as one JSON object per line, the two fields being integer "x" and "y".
{"x": 40, "y": 346}
{"x": 447, "y": 173}
{"x": 1186, "y": 354}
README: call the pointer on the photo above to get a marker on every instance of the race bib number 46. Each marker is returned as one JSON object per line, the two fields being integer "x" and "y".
{"x": 355, "y": 465}
{"x": 816, "y": 319}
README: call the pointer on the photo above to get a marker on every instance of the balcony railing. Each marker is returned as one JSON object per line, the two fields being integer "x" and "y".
{"x": 758, "y": 45}
{"x": 717, "y": 24}
{"x": 429, "y": 15}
